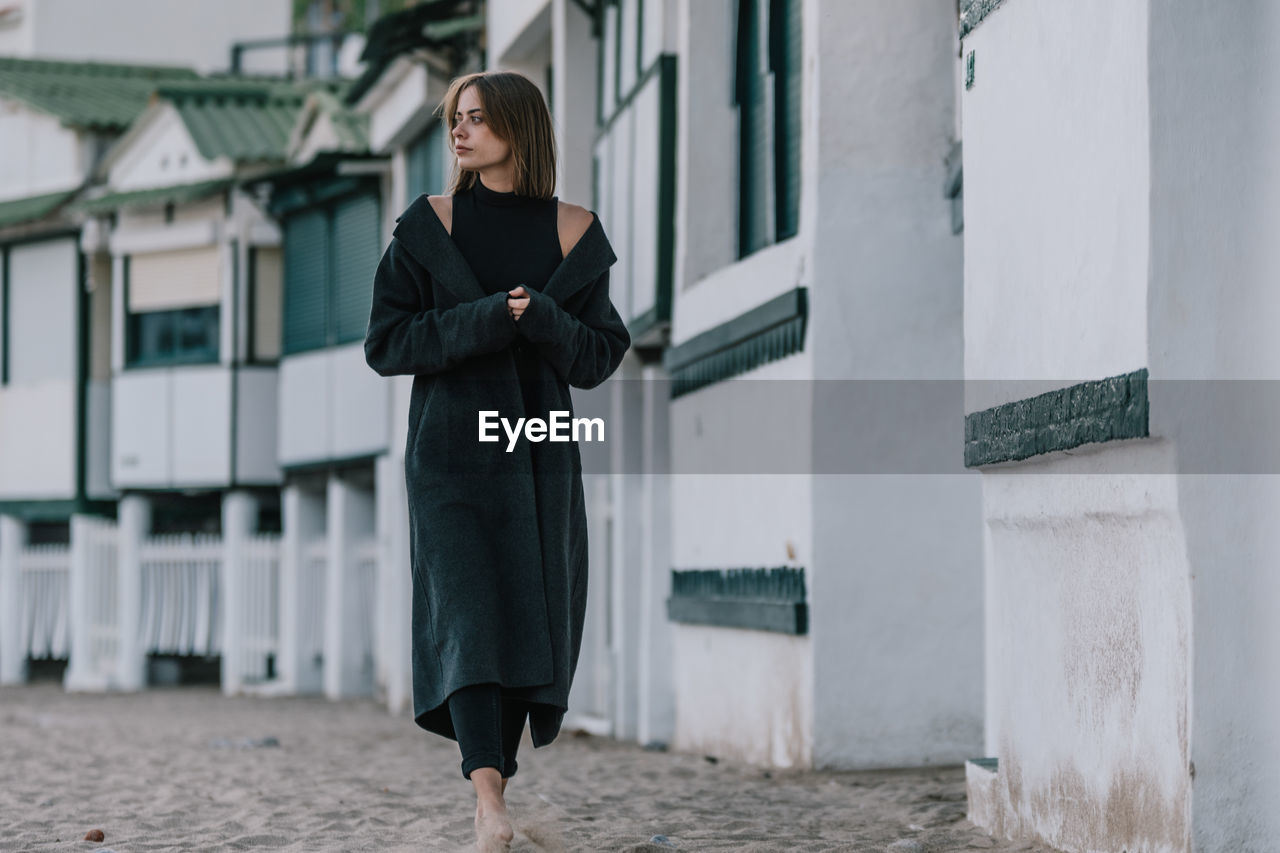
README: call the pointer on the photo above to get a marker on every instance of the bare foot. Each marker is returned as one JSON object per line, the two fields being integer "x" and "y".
{"x": 493, "y": 830}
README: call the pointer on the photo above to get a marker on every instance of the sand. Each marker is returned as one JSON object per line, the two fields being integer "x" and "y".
{"x": 184, "y": 768}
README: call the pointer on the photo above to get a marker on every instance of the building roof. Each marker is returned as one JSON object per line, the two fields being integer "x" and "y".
{"x": 433, "y": 24}
{"x": 352, "y": 128}
{"x": 32, "y": 207}
{"x": 241, "y": 118}
{"x": 96, "y": 95}
{"x": 176, "y": 194}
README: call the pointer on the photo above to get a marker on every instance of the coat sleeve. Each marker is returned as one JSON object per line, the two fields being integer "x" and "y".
{"x": 584, "y": 349}
{"x": 407, "y": 337}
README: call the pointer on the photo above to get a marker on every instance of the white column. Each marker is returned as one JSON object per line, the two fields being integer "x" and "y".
{"x": 135, "y": 524}
{"x": 395, "y": 583}
{"x": 78, "y": 658}
{"x": 118, "y": 313}
{"x": 350, "y": 517}
{"x": 655, "y": 718}
{"x": 13, "y": 663}
{"x": 239, "y": 522}
{"x": 302, "y": 520}
{"x": 625, "y": 563}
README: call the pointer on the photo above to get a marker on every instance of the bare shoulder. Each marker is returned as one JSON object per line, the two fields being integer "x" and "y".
{"x": 572, "y": 221}
{"x": 443, "y": 205}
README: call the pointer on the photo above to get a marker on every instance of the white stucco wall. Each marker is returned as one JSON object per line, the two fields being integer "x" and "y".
{"x": 1056, "y": 173}
{"x": 896, "y": 590}
{"x": 1089, "y": 608}
{"x": 38, "y": 404}
{"x": 513, "y": 27}
{"x": 1215, "y": 195}
{"x": 37, "y": 154}
{"x": 1089, "y": 626}
{"x": 331, "y": 407}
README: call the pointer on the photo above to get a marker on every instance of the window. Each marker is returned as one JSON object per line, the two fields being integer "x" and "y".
{"x": 173, "y": 306}
{"x": 265, "y": 274}
{"x": 768, "y": 94}
{"x": 330, "y": 256}
{"x": 40, "y": 287}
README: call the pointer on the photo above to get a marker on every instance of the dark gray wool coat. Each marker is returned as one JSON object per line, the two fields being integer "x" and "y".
{"x": 498, "y": 540}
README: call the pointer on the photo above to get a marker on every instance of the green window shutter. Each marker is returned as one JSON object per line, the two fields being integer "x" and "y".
{"x": 424, "y": 162}
{"x": 306, "y": 280}
{"x": 787, "y": 61}
{"x": 753, "y": 133}
{"x": 356, "y": 251}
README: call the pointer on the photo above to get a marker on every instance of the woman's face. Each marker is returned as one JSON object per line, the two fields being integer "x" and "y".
{"x": 474, "y": 143}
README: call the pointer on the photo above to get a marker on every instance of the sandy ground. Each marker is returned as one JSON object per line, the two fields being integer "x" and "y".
{"x": 172, "y": 768}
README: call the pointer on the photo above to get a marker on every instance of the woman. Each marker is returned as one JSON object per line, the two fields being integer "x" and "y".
{"x": 495, "y": 298}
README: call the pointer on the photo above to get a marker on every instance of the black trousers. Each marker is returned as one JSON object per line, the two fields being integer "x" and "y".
{"x": 488, "y": 725}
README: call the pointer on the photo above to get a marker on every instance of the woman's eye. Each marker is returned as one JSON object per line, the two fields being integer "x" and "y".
{"x": 475, "y": 119}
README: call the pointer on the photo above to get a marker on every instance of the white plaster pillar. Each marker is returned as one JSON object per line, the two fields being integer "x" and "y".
{"x": 350, "y": 517}
{"x": 79, "y": 661}
{"x": 625, "y": 561}
{"x": 13, "y": 663}
{"x": 239, "y": 522}
{"x": 135, "y": 524}
{"x": 395, "y": 583}
{"x": 302, "y": 521}
{"x": 656, "y": 714}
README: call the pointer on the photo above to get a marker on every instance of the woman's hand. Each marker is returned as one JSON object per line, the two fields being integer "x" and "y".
{"x": 517, "y": 301}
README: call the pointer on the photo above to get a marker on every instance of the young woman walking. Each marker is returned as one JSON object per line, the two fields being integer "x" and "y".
{"x": 495, "y": 297}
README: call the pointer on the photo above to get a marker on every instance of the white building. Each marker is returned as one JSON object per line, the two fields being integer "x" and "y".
{"x": 1119, "y": 267}
{"x": 821, "y": 614}
{"x": 56, "y": 119}
{"x": 195, "y": 34}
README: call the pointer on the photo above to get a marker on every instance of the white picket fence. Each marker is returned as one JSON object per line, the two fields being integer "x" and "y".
{"x": 45, "y": 572}
{"x": 181, "y": 609}
{"x": 100, "y": 617}
{"x": 71, "y": 604}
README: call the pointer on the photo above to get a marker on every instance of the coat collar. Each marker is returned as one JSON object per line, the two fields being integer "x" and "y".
{"x": 424, "y": 235}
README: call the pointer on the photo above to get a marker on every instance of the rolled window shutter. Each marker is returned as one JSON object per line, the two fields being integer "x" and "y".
{"x": 356, "y": 251}
{"x": 183, "y": 278}
{"x": 306, "y": 274}
{"x": 267, "y": 280}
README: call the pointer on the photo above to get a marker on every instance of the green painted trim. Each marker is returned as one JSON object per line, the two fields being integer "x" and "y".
{"x": 321, "y": 191}
{"x": 82, "y": 376}
{"x": 1103, "y": 410}
{"x": 639, "y": 326}
{"x": 617, "y": 51}
{"x": 234, "y": 361}
{"x": 180, "y": 193}
{"x": 4, "y": 315}
{"x": 771, "y": 599}
{"x": 765, "y": 333}
{"x": 639, "y": 38}
{"x": 992, "y": 764}
{"x": 623, "y": 104}
{"x": 974, "y": 12}
{"x": 668, "y": 166}
{"x": 58, "y": 509}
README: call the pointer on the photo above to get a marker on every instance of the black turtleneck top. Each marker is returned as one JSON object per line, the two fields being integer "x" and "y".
{"x": 507, "y": 239}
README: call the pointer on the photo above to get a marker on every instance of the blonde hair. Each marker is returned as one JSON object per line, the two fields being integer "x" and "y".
{"x": 517, "y": 114}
